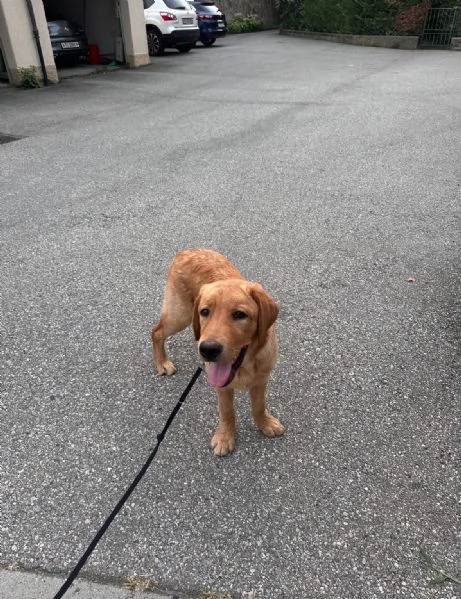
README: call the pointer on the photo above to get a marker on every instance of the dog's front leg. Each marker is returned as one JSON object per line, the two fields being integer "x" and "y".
{"x": 269, "y": 425}
{"x": 223, "y": 441}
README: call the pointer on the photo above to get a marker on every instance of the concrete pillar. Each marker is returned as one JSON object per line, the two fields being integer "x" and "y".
{"x": 134, "y": 32}
{"x": 18, "y": 43}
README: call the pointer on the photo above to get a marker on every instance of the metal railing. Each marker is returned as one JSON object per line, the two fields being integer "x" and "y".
{"x": 440, "y": 25}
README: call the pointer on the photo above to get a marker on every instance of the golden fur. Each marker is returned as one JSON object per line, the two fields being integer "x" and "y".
{"x": 227, "y": 313}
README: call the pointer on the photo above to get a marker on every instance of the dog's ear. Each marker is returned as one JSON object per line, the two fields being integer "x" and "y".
{"x": 267, "y": 311}
{"x": 196, "y": 319}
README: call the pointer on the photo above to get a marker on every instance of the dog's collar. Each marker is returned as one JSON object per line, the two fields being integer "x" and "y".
{"x": 236, "y": 365}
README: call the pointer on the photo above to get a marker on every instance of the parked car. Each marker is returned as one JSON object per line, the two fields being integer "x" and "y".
{"x": 170, "y": 24}
{"x": 68, "y": 42}
{"x": 211, "y": 21}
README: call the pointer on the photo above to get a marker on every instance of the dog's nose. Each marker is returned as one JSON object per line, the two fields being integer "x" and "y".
{"x": 210, "y": 350}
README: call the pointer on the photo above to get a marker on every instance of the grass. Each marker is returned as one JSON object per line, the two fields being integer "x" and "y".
{"x": 440, "y": 576}
{"x": 11, "y": 567}
{"x": 140, "y": 583}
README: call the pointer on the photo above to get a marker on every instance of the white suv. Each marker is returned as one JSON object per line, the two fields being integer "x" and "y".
{"x": 170, "y": 24}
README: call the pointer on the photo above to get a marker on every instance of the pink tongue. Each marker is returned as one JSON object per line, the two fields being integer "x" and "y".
{"x": 218, "y": 373}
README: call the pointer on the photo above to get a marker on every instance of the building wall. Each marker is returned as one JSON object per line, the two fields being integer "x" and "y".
{"x": 133, "y": 26}
{"x": 102, "y": 25}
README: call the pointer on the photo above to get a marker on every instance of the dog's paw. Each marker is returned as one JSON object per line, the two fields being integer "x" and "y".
{"x": 271, "y": 426}
{"x": 222, "y": 443}
{"x": 167, "y": 368}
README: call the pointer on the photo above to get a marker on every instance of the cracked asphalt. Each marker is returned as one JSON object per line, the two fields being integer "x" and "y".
{"x": 332, "y": 175}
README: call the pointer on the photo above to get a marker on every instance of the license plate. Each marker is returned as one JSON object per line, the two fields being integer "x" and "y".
{"x": 221, "y": 25}
{"x": 66, "y": 45}
{"x": 187, "y": 21}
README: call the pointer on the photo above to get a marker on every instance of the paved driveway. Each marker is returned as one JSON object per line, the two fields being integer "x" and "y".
{"x": 330, "y": 173}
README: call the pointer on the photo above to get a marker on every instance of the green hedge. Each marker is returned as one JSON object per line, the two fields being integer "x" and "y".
{"x": 370, "y": 17}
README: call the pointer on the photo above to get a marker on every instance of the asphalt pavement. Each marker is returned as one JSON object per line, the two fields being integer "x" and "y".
{"x": 331, "y": 174}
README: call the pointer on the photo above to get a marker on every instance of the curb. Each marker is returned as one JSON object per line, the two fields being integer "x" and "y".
{"x": 29, "y": 585}
{"x": 399, "y": 42}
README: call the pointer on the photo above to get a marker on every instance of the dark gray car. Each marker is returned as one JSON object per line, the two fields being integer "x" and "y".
{"x": 68, "y": 42}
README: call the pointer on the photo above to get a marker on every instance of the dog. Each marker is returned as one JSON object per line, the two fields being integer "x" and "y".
{"x": 233, "y": 323}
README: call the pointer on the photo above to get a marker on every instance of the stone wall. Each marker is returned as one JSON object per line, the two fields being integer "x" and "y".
{"x": 263, "y": 8}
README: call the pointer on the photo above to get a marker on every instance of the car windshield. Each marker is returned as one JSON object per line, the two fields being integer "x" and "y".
{"x": 148, "y": 3}
{"x": 61, "y": 28}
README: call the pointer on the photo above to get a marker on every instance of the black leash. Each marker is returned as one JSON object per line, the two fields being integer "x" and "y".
{"x": 91, "y": 547}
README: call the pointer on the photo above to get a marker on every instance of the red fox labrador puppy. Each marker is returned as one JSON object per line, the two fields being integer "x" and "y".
{"x": 233, "y": 322}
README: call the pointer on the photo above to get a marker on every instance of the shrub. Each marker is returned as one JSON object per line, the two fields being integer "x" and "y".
{"x": 410, "y": 20}
{"x": 348, "y": 16}
{"x": 289, "y": 12}
{"x": 29, "y": 79}
{"x": 370, "y": 17}
{"x": 241, "y": 24}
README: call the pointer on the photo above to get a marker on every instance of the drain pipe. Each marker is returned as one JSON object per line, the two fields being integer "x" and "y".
{"x": 30, "y": 8}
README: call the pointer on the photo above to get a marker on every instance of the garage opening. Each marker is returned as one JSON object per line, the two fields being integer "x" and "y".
{"x": 84, "y": 32}
{"x": 40, "y": 35}
{"x": 3, "y": 71}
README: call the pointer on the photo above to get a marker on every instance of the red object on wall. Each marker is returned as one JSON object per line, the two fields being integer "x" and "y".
{"x": 93, "y": 53}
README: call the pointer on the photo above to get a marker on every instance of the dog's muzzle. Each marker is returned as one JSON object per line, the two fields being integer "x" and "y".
{"x": 221, "y": 374}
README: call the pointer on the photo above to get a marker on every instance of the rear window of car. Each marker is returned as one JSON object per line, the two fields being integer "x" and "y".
{"x": 210, "y": 8}
{"x": 61, "y": 28}
{"x": 177, "y": 4}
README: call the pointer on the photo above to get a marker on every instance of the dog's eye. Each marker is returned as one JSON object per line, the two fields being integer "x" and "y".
{"x": 239, "y": 315}
{"x": 204, "y": 312}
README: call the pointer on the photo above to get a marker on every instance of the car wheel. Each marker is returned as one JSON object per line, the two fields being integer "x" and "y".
{"x": 186, "y": 47}
{"x": 209, "y": 42}
{"x": 155, "y": 43}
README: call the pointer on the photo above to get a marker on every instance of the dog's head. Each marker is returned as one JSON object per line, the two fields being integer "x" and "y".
{"x": 229, "y": 317}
